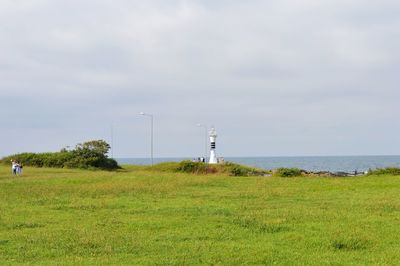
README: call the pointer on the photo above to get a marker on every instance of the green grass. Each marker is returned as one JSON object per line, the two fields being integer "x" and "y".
{"x": 142, "y": 217}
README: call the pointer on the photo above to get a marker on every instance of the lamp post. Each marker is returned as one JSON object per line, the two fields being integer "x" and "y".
{"x": 112, "y": 141}
{"x": 206, "y": 140}
{"x": 151, "y": 119}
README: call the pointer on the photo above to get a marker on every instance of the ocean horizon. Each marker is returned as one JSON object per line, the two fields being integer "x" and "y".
{"x": 310, "y": 163}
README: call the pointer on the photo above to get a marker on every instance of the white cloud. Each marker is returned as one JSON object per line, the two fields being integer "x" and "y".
{"x": 264, "y": 68}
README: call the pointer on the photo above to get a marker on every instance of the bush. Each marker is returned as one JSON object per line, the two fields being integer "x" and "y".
{"x": 235, "y": 169}
{"x": 385, "y": 171}
{"x": 238, "y": 171}
{"x": 193, "y": 167}
{"x": 89, "y": 155}
{"x": 287, "y": 172}
{"x": 225, "y": 168}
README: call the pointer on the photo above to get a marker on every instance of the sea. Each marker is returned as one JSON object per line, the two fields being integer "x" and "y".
{"x": 310, "y": 163}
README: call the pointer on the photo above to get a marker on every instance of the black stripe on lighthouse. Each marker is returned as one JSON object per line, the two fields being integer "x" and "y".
{"x": 213, "y": 145}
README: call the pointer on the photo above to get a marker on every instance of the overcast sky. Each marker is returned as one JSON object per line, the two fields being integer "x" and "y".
{"x": 276, "y": 78}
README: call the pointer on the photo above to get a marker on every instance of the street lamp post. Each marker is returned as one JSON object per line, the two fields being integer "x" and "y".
{"x": 206, "y": 140}
{"x": 151, "y": 119}
{"x": 112, "y": 141}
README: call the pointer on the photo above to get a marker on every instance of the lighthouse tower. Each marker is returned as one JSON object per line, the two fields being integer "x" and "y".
{"x": 213, "y": 137}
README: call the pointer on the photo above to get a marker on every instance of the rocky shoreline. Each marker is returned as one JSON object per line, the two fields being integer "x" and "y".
{"x": 333, "y": 174}
{"x": 290, "y": 172}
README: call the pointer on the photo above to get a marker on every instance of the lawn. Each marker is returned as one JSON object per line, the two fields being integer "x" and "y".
{"x": 143, "y": 217}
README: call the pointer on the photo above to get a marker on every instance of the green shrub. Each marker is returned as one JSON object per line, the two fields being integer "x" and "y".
{"x": 385, "y": 171}
{"x": 287, "y": 172}
{"x": 225, "y": 168}
{"x": 89, "y": 155}
{"x": 235, "y": 169}
{"x": 193, "y": 167}
{"x": 238, "y": 171}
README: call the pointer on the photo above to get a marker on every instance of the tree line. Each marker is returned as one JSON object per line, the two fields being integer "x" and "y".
{"x": 88, "y": 155}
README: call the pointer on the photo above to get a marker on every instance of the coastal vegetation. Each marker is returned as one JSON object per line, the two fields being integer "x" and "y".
{"x": 228, "y": 168}
{"x": 288, "y": 172}
{"x": 142, "y": 215}
{"x": 88, "y": 155}
{"x": 199, "y": 168}
{"x": 385, "y": 171}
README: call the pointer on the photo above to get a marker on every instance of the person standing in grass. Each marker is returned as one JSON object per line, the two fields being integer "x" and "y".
{"x": 19, "y": 168}
{"x": 14, "y": 167}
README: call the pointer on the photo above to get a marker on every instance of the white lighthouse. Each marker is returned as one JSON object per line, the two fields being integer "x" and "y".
{"x": 213, "y": 137}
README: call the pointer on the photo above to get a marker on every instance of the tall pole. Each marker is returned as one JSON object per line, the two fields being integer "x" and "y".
{"x": 151, "y": 146}
{"x": 206, "y": 140}
{"x": 152, "y": 140}
{"x": 112, "y": 141}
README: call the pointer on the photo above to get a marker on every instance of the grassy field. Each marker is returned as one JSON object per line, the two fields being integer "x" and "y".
{"x": 140, "y": 217}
